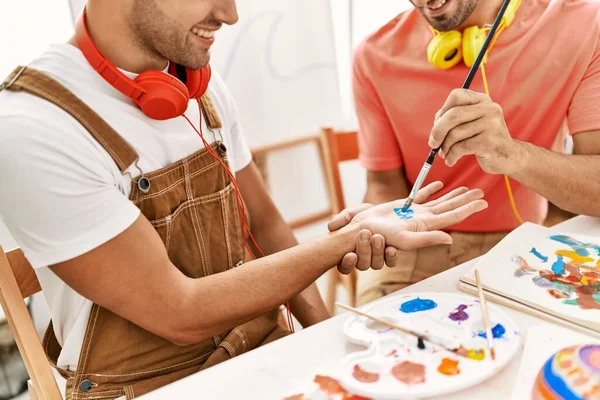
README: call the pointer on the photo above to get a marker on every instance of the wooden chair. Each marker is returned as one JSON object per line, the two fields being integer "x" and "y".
{"x": 17, "y": 282}
{"x": 338, "y": 147}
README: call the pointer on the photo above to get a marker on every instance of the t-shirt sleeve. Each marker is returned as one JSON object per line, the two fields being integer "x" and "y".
{"x": 378, "y": 146}
{"x": 59, "y": 196}
{"x": 584, "y": 111}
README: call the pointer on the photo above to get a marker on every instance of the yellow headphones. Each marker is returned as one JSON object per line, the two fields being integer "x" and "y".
{"x": 447, "y": 49}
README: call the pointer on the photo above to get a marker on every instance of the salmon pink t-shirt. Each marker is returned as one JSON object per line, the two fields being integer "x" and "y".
{"x": 544, "y": 71}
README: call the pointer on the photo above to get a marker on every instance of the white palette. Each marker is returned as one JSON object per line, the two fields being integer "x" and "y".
{"x": 389, "y": 348}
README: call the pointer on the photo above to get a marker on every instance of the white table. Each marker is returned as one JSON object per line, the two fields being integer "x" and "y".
{"x": 285, "y": 366}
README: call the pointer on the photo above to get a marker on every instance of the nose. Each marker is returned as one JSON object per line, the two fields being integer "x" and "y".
{"x": 226, "y": 11}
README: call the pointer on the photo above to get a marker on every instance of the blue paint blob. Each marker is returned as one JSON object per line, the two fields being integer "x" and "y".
{"x": 538, "y": 254}
{"x": 559, "y": 266}
{"x": 497, "y": 332}
{"x": 417, "y": 305}
{"x": 582, "y": 252}
{"x": 408, "y": 214}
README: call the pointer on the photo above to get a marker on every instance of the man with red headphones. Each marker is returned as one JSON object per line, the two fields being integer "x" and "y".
{"x": 128, "y": 184}
{"x": 539, "y": 81}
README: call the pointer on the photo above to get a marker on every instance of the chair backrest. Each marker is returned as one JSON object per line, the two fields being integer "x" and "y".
{"x": 17, "y": 282}
{"x": 338, "y": 147}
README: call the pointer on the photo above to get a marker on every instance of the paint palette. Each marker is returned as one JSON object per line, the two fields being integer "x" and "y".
{"x": 395, "y": 367}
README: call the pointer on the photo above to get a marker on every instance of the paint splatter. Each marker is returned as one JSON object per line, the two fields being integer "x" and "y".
{"x": 328, "y": 385}
{"x": 588, "y": 299}
{"x": 449, "y": 367}
{"x": 473, "y": 354}
{"x": 538, "y": 254}
{"x": 409, "y": 373}
{"x": 497, "y": 332}
{"x": 408, "y": 214}
{"x": 559, "y": 266}
{"x": 295, "y": 397}
{"x": 558, "y": 294}
{"x": 364, "y": 376}
{"x": 459, "y": 313}
{"x": 523, "y": 267}
{"x": 391, "y": 353}
{"x": 417, "y": 305}
{"x": 576, "y": 258}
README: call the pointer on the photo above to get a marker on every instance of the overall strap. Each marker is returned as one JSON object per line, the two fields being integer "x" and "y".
{"x": 40, "y": 84}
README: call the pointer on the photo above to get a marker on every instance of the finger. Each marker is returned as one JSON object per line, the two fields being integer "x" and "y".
{"x": 391, "y": 256}
{"x": 418, "y": 240}
{"x": 363, "y": 250}
{"x": 348, "y": 263}
{"x": 461, "y": 149}
{"x": 462, "y": 132}
{"x": 455, "y": 216}
{"x": 428, "y": 191}
{"x": 453, "y": 118}
{"x": 458, "y": 201}
{"x": 343, "y": 218}
{"x": 462, "y": 97}
{"x": 378, "y": 248}
{"x": 447, "y": 196}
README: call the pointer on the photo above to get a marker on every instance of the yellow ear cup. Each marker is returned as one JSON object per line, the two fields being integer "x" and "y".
{"x": 473, "y": 40}
{"x": 445, "y": 49}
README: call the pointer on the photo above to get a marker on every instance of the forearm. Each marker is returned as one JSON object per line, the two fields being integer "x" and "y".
{"x": 392, "y": 186}
{"x": 274, "y": 236}
{"x": 570, "y": 182}
{"x": 242, "y": 294}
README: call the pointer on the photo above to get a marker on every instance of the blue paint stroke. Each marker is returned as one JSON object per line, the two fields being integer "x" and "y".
{"x": 556, "y": 383}
{"x": 538, "y": 254}
{"x": 497, "y": 332}
{"x": 417, "y": 305}
{"x": 277, "y": 17}
{"x": 408, "y": 214}
{"x": 579, "y": 247}
{"x": 559, "y": 266}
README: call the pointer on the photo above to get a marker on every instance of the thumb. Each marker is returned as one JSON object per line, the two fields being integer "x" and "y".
{"x": 417, "y": 240}
{"x": 343, "y": 218}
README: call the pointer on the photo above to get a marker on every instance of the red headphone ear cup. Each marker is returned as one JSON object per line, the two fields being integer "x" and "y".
{"x": 166, "y": 97}
{"x": 198, "y": 80}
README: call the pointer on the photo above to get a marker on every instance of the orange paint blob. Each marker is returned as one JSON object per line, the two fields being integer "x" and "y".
{"x": 328, "y": 384}
{"x": 449, "y": 367}
{"x": 364, "y": 376}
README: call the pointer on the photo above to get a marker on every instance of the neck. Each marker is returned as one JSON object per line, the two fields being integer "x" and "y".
{"x": 115, "y": 40}
{"x": 484, "y": 13}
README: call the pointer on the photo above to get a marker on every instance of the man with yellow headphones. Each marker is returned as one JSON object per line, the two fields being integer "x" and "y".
{"x": 539, "y": 81}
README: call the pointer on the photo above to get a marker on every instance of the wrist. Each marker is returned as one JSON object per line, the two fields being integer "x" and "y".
{"x": 519, "y": 159}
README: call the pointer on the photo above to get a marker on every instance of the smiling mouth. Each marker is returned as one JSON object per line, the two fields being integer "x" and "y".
{"x": 203, "y": 33}
{"x": 437, "y": 5}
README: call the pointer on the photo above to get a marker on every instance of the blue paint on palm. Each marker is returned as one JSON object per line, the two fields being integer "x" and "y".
{"x": 408, "y": 214}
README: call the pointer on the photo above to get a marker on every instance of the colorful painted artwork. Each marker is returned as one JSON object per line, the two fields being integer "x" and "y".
{"x": 545, "y": 270}
{"x": 571, "y": 373}
{"x": 452, "y": 355}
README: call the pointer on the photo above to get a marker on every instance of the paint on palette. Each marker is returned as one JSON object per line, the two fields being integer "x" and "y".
{"x": 498, "y": 332}
{"x": 449, "y": 367}
{"x": 538, "y": 254}
{"x": 417, "y": 305}
{"x": 421, "y": 344}
{"x": 559, "y": 266}
{"x": 391, "y": 353}
{"x": 328, "y": 385}
{"x": 459, "y": 314}
{"x": 408, "y": 214}
{"x": 409, "y": 373}
{"x": 473, "y": 354}
{"x": 362, "y": 375}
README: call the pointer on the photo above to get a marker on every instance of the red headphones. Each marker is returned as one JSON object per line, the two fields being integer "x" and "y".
{"x": 159, "y": 95}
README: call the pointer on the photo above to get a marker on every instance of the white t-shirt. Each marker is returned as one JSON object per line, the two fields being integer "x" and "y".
{"x": 62, "y": 195}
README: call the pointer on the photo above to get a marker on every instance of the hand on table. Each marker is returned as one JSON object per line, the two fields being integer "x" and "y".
{"x": 381, "y": 226}
{"x": 471, "y": 123}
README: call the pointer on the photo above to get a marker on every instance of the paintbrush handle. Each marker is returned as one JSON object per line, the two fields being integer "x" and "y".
{"x": 484, "y": 312}
{"x": 424, "y": 336}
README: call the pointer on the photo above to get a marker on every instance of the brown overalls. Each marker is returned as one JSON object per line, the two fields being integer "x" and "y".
{"x": 192, "y": 205}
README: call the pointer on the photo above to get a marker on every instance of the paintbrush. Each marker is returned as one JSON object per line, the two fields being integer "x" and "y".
{"x": 453, "y": 347}
{"x": 429, "y": 162}
{"x": 486, "y": 318}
